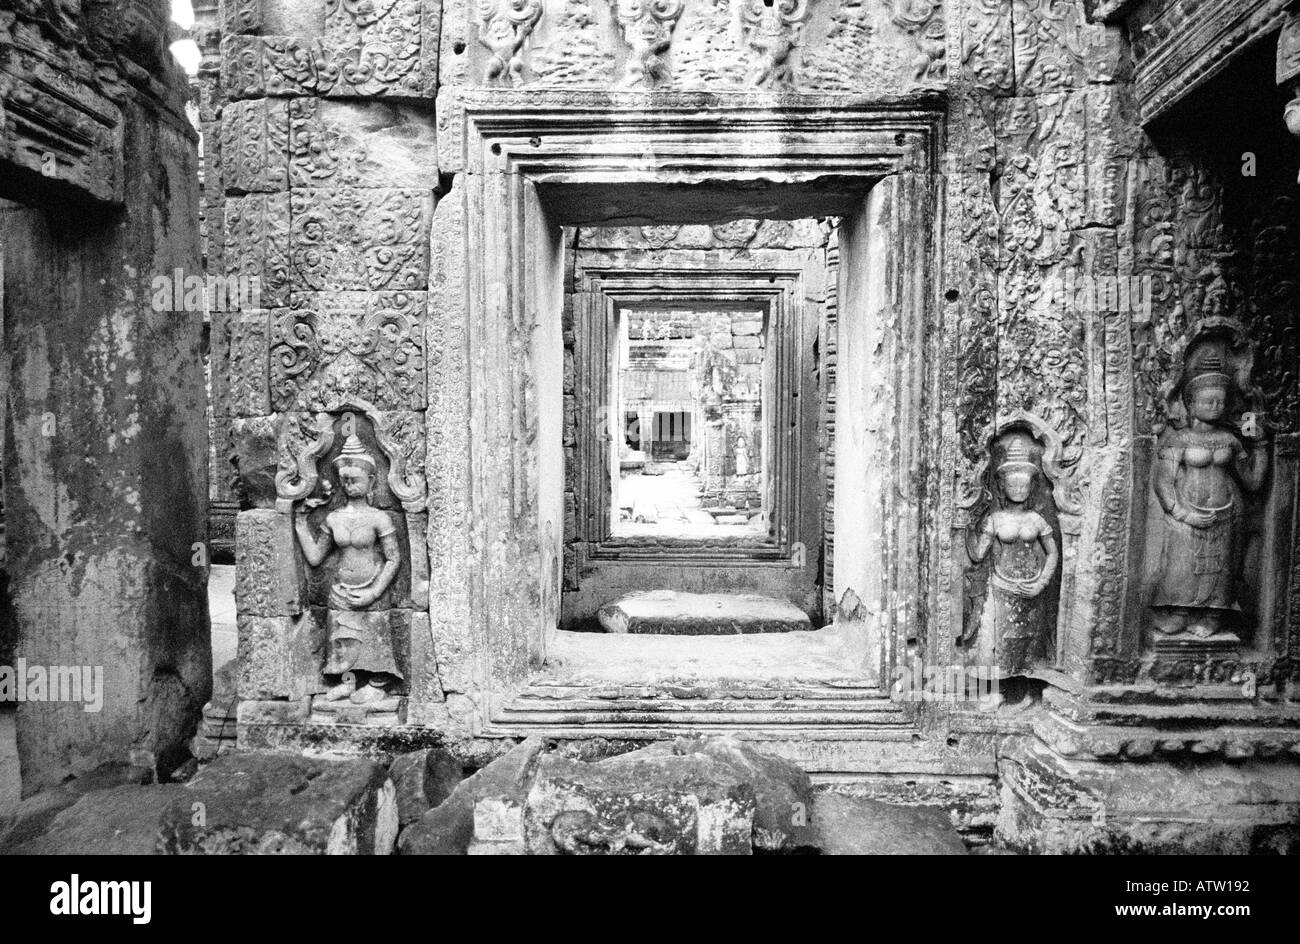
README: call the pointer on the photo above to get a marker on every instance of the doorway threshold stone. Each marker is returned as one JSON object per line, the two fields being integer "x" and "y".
{"x": 670, "y": 613}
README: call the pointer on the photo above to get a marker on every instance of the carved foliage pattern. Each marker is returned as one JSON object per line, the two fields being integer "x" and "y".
{"x": 1179, "y": 244}
{"x": 257, "y": 242}
{"x": 331, "y": 349}
{"x": 368, "y": 48}
{"x": 1274, "y": 300}
{"x": 255, "y": 146}
{"x": 350, "y": 238}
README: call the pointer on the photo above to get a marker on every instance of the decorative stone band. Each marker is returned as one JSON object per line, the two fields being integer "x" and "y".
{"x": 1123, "y": 743}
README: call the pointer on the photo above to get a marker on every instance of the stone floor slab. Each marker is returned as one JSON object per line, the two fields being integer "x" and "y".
{"x": 671, "y": 613}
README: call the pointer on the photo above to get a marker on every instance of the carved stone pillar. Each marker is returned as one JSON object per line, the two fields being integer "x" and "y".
{"x": 328, "y": 164}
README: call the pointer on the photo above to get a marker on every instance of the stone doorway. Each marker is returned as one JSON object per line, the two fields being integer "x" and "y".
{"x": 719, "y": 325}
{"x": 536, "y": 166}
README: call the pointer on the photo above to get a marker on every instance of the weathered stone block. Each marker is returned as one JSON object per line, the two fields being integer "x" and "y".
{"x": 845, "y": 825}
{"x": 119, "y": 821}
{"x": 375, "y": 144}
{"x": 783, "y": 792}
{"x": 424, "y": 779}
{"x": 279, "y": 804}
{"x": 241, "y": 67}
{"x": 289, "y": 711}
{"x": 257, "y": 243}
{"x": 242, "y": 16}
{"x": 253, "y": 457}
{"x": 417, "y": 528}
{"x": 280, "y": 656}
{"x": 269, "y": 581}
{"x": 448, "y": 829}
{"x": 638, "y": 804}
{"x": 255, "y": 146}
{"x": 1053, "y": 804}
{"x": 54, "y": 116}
{"x": 33, "y": 817}
{"x": 667, "y": 612}
{"x": 247, "y": 371}
{"x": 450, "y": 110}
{"x": 106, "y": 420}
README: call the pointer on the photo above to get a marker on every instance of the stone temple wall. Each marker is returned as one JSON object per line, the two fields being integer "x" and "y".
{"x": 105, "y": 481}
{"x": 361, "y": 154}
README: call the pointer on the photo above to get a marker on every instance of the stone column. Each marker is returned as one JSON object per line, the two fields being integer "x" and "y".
{"x": 105, "y": 457}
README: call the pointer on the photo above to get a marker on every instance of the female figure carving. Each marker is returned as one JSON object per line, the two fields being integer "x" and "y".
{"x": 1015, "y": 623}
{"x": 361, "y": 650}
{"x": 1203, "y": 466}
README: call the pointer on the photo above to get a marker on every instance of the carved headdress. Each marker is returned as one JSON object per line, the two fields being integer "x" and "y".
{"x": 353, "y": 453}
{"x": 1207, "y": 370}
{"x": 1019, "y": 451}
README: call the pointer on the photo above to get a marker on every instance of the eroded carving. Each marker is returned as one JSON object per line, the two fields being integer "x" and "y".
{"x": 647, "y": 27}
{"x": 340, "y": 489}
{"x": 773, "y": 29}
{"x": 361, "y": 654}
{"x": 1207, "y": 458}
{"x": 1011, "y": 633}
{"x": 503, "y": 28}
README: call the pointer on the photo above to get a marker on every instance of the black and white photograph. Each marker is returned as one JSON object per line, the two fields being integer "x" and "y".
{"x": 651, "y": 427}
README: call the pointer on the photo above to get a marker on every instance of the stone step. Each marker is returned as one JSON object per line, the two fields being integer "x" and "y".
{"x": 671, "y": 613}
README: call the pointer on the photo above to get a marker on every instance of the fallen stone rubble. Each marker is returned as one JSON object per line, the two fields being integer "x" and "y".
{"x": 707, "y": 796}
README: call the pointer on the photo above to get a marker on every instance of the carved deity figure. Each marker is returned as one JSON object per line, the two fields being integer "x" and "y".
{"x": 504, "y": 27}
{"x": 742, "y": 455}
{"x": 773, "y": 28}
{"x": 361, "y": 651}
{"x": 1014, "y": 625}
{"x": 647, "y": 27}
{"x": 1203, "y": 465}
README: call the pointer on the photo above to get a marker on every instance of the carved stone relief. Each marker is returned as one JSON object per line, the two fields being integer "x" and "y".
{"x": 333, "y": 348}
{"x": 647, "y": 28}
{"x": 1210, "y": 458}
{"x": 1010, "y": 631}
{"x": 348, "y": 492}
{"x": 504, "y": 27}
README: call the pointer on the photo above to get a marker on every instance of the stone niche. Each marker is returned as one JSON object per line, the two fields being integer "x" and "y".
{"x": 332, "y": 582}
{"x": 537, "y": 163}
